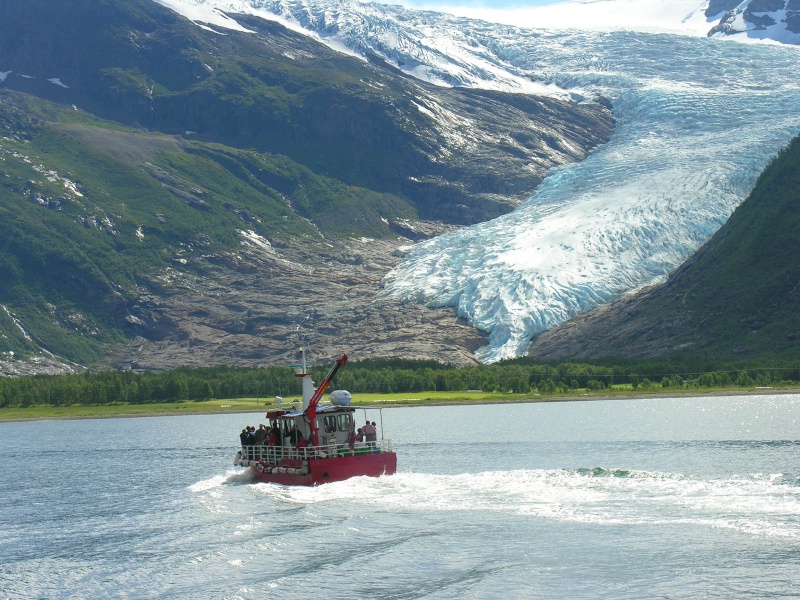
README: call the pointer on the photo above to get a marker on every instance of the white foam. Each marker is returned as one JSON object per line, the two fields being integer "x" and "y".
{"x": 753, "y": 504}
{"x": 237, "y": 476}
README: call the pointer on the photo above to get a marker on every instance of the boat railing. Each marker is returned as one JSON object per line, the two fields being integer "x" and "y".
{"x": 275, "y": 454}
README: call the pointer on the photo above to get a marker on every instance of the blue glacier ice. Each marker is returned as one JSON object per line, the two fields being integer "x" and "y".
{"x": 697, "y": 121}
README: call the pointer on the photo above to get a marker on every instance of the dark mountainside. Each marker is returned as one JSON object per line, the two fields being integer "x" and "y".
{"x": 755, "y": 16}
{"x": 174, "y": 196}
{"x": 737, "y": 298}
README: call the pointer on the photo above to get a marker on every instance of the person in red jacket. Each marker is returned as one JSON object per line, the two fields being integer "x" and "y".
{"x": 302, "y": 444}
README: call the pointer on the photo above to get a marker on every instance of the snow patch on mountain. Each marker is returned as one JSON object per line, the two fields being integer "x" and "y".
{"x": 205, "y": 13}
{"x": 775, "y": 21}
{"x": 217, "y": 13}
{"x": 414, "y": 46}
{"x": 253, "y": 239}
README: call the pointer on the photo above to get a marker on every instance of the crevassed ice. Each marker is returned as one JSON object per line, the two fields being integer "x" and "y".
{"x": 697, "y": 120}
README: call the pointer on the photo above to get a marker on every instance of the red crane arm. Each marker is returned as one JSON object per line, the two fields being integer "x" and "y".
{"x": 311, "y": 411}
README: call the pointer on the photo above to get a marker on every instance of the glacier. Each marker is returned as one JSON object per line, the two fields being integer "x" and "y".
{"x": 697, "y": 120}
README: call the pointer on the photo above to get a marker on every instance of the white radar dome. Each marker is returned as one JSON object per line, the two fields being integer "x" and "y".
{"x": 340, "y": 397}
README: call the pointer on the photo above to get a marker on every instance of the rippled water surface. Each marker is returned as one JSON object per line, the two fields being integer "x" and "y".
{"x": 671, "y": 498}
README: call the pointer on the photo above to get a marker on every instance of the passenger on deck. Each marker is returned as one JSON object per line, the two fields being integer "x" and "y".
{"x": 274, "y": 453}
{"x": 293, "y": 436}
{"x": 261, "y": 434}
{"x": 351, "y": 439}
{"x": 249, "y": 440}
{"x": 274, "y": 434}
{"x": 370, "y": 433}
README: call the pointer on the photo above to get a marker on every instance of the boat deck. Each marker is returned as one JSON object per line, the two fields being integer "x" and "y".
{"x": 276, "y": 455}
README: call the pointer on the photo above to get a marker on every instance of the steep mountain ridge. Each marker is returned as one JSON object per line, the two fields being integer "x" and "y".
{"x": 738, "y": 297}
{"x": 172, "y": 195}
{"x": 431, "y": 46}
{"x": 278, "y": 91}
{"x": 777, "y": 20}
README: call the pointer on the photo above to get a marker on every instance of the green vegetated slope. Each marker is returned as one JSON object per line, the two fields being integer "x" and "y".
{"x": 737, "y": 298}
{"x": 139, "y": 64}
{"x": 275, "y": 90}
{"x": 133, "y": 140}
{"x": 742, "y": 290}
{"x": 88, "y": 207}
{"x": 156, "y": 143}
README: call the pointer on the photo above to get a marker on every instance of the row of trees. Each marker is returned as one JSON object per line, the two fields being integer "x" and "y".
{"x": 384, "y": 376}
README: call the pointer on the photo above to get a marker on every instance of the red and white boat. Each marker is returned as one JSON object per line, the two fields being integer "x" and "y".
{"x": 319, "y": 443}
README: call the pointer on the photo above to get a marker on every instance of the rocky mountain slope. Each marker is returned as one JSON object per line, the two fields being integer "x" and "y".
{"x": 737, "y": 297}
{"x": 172, "y": 194}
{"x": 760, "y": 19}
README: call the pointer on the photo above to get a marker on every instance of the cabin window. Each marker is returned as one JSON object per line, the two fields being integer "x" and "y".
{"x": 330, "y": 424}
{"x": 345, "y": 422}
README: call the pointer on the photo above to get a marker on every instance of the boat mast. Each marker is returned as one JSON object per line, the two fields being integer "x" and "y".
{"x": 302, "y": 371}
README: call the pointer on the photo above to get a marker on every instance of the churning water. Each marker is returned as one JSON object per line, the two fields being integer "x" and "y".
{"x": 670, "y": 498}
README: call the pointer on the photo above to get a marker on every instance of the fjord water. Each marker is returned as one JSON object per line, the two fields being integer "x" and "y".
{"x": 671, "y": 498}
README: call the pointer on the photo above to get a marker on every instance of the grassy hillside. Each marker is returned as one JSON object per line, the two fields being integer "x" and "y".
{"x": 742, "y": 290}
{"x": 89, "y": 207}
{"x": 281, "y": 92}
{"x": 738, "y": 297}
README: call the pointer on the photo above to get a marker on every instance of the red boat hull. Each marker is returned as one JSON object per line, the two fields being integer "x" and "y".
{"x": 326, "y": 470}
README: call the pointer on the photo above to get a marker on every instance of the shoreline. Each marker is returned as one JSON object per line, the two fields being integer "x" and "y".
{"x": 416, "y": 403}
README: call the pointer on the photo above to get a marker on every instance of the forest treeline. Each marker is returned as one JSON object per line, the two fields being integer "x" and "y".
{"x": 519, "y": 376}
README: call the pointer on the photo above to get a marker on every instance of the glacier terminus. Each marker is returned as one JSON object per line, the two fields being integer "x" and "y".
{"x": 697, "y": 120}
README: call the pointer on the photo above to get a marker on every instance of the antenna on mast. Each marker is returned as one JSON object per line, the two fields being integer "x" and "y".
{"x": 302, "y": 370}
